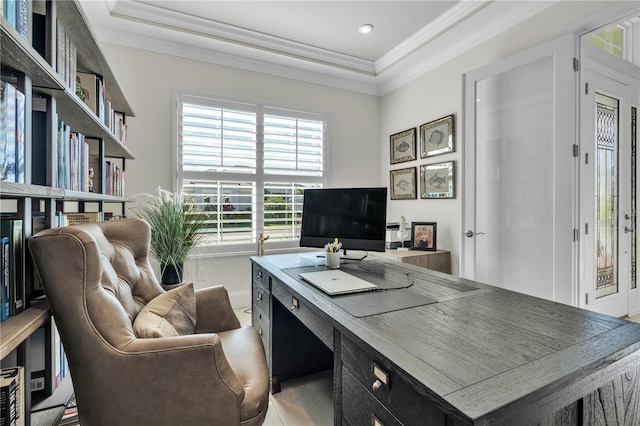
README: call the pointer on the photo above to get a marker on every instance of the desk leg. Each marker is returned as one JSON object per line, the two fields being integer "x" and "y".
{"x": 295, "y": 350}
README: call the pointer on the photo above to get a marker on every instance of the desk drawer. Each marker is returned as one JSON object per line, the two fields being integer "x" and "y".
{"x": 260, "y": 298}
{"x": 260, "y": 276}
{"x": 360, "y": 408}
{"x": 319, "y": 326}
{"x": 261, "y": 322}
{"x": 398, "y": 396}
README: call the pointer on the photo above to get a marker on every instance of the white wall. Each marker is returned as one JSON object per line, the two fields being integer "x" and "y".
{"x": 440, "y": 93}
{"x": 149, "y": 79}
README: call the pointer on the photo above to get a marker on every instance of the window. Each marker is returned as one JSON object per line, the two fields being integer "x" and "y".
{"x": 248, "y": 166}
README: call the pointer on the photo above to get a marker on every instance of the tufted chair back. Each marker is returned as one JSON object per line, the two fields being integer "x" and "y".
{"x": 116, "y": 280}
{"x": 97, "y": 279}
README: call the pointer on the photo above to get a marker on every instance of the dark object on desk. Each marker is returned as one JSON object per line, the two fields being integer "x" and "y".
{"x": 356, "y": 216}
{"x": 98, "y": 280}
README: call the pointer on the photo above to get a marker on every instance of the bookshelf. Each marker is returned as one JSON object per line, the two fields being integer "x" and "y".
{"x": 33, "y": 69}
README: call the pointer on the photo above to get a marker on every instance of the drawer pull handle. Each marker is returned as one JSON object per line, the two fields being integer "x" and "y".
{"x": 259, "y": 296}
{"x": 294, "y": 304}
{"x": 377, "y": 385}
{"x": 260, "y": 331}
{"x": 259, "y": 274}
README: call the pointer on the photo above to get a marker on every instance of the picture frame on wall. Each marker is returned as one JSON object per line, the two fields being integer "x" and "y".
{"x": 437, "y": 180}
{"x": 437, "y": 137}
{"x": 423, "y": 236}
{"x": 403, "y": 184}
{"x": 402, "y": 146}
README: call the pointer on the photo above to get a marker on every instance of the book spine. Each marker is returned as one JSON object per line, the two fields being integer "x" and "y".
{"x": 3, "y": 127}
{"x": 10, "y": 12}
{"x": 22, "y": 18}
{"x": 18, "y": 289}
{"x": 4, "y": 296}
{"x": 9, "y": 164}
{"x": 19, "y": 135}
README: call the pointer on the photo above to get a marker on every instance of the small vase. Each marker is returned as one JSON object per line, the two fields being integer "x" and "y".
{"x": 171, "y": 274}
{"x": 332, "y": 259}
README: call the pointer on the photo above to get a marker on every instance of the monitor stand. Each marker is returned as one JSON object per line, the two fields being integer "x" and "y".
{"x": 346, "y": 256}
{"x": 349, "y": 256}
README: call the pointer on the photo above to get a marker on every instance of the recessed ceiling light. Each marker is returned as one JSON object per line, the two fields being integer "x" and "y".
{"x": 365, "y": 28}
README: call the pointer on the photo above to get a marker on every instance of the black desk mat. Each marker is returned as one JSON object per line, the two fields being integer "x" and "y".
{"x": 389, "y": 296}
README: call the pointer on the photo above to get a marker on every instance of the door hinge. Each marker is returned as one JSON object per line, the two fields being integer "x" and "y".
{"x": 576, "y": 234}
{"x": 586, "y": 158}
{"x": 586, "y": 88}
{"x": 576, "y": 150}
{"x": 586, "y": 229}
{"x": 586, "y": 298}
{"x": 576, "y": 64}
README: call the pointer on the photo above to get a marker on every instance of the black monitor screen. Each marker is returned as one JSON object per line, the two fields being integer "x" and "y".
{"x": 356, "y": 216}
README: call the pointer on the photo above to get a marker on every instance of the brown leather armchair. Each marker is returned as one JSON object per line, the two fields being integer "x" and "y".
{"x": 97, "y": 278}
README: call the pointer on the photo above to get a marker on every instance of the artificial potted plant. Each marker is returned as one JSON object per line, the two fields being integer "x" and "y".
{"x": 176, "y": 229}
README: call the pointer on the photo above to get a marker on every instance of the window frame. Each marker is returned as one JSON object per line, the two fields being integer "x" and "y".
{"x": 260, "y": 179}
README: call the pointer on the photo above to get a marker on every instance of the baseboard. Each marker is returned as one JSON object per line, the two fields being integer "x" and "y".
{"x": 240, "y": 299}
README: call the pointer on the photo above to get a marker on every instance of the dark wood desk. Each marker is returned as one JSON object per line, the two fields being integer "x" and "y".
{"x": 480, "y": 355}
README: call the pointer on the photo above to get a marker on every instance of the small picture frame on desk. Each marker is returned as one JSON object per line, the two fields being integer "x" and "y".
{"x": 423, "y": 236}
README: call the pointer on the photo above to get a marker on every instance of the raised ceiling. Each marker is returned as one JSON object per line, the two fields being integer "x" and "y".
{"x": 316, "y": 41}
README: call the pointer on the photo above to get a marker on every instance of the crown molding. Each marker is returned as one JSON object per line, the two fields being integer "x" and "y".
{"x": 158, "y": 16}
{"x": 461, "y": 28}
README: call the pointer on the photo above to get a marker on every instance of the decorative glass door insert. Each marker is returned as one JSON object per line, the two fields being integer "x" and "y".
{"x": 607, "y": 115}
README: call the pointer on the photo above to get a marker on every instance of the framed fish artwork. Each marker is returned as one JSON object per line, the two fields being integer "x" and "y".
{"x": 437, "y": 180}
{"x": 403, "y": 184}
{"x": 403, "y": 146}
{"x": 436, "y": 137}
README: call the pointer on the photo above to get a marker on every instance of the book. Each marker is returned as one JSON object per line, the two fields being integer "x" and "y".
{"x": 9, "y": 397}
{"x": 12, "y": 229}
{"x": 89, "y": 87}
{"x": 78, "y": 218}
{"x": 4, "y": 279}
{"x": 10, "y": 11}
{"x": 8, "y": 156}
{"x": 3, "y": 127}
{"x": 13, "y": 388}
{"x": 22, "y": 18}
{"x": 19, "y": 135}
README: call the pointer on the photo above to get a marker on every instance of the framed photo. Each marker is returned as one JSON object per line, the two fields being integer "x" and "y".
{"x": 403, "y": 146}
{"x": 423, "y": 236}
{"x": 437, "y": 180}
{"x": 403, "y": 184}
{"x": 436, "y": 137}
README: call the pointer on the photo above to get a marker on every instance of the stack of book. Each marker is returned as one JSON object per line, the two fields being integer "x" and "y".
{"x": 16, "y": 12}
{"x": 12, "y": 391}
{"x": 12, "y": 297}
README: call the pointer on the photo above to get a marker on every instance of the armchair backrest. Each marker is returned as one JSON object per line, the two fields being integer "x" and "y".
{"x": 99, "y": 276}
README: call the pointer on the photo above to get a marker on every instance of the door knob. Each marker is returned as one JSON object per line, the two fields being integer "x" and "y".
{"x": 470, "y": 233}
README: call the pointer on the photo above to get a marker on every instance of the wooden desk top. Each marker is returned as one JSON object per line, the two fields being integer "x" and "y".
{"x": 482, "y": 350}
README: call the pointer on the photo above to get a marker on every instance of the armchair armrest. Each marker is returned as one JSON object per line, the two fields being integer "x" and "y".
{"x": 213, "y": 311}
{"x": 189, "y": 378}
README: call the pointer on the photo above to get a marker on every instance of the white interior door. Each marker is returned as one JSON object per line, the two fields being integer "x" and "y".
{"x": 607, "y": 191}
{"x": 518, "y": 173}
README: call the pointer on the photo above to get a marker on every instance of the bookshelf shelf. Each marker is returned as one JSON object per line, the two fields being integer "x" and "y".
{"x": 19, "y": 190}
{"x": 19, "y": 327}
{"x": 90, "y": 196}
